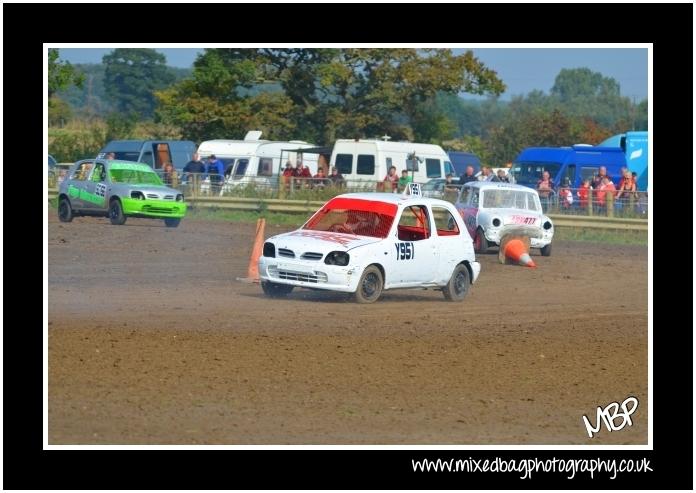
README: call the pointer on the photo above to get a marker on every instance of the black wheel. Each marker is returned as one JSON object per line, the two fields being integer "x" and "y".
{"x": 172, "y": 222}
{"x": 116, "y": 213}
{"x": 370, "y": 285}
{"x": 480, "y": 242}
{"x": 65, "y": 212}
{"x": 458, "y": 285}
{"x": 546, "y": 251}
{"x": 275, "y": 290}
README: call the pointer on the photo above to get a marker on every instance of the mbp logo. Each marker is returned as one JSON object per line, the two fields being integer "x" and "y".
{"x": 610, "y": 414}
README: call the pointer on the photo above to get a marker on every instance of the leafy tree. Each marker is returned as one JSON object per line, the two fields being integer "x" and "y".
{"x": 59, "y": 111}
{"x": 322, "y": 94}
{"x": 60, "y": 73}
{"x": 131, "y": 75}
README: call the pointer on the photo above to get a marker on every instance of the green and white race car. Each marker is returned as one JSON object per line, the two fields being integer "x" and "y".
{"x": 118, "y": 190}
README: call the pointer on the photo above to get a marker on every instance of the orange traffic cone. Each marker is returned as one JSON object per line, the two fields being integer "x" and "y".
{"x": 253, "y": 269}
{"x": 516, "y": 251}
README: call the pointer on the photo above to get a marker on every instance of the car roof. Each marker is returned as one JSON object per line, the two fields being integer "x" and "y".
{"x": 484, "y": 185}
{"x": 393, "y": 198}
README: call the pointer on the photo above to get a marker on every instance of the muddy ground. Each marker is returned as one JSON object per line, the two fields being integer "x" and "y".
{"x": 153, "y": 341}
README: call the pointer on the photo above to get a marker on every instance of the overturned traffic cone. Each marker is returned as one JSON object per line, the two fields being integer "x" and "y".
{"x": 253, "y": 269}
{"x": 516, "y": 249}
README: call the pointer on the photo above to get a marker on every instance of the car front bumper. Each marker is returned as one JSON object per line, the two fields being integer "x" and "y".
{"x": 153, "y": 208}
{"x": 315, "y": 275}
{"x": 539, "y": 238}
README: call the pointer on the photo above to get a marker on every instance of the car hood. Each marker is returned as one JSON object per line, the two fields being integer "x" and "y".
{"x": 160, "y": 190}
{"x": 305, "y": 240}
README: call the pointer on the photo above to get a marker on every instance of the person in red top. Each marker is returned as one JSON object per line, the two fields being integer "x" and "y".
{"x": 319, "y": 180}
{"x": 583, "y": 193}
{"x": 606, "y": 187}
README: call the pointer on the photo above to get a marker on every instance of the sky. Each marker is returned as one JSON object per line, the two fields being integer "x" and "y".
{"x": 522, "y": 69}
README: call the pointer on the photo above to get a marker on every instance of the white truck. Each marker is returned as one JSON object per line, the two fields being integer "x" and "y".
{"x": 254, "y": 160}
{"x": 369, "y": 160}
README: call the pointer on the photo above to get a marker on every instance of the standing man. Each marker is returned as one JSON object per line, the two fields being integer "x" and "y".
{"x": 194, "y": 169}
{"x": 467, "y": 176}
{"x": 215, "y": 170}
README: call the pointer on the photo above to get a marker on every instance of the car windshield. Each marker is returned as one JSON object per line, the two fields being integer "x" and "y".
{"x": 354, "y": 216}
{"x": 529, "y": 173}
{"x": 134, "y": 177}
{"x": 510, "y": 199}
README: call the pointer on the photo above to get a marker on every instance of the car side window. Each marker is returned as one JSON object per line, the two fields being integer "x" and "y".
{"x": 445, "y": 224}
{"x": 82, "y": 171}
{"x": 99, "y": 173}
{"x": 414, "y": 224}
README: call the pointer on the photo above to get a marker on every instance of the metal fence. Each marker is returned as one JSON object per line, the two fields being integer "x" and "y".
{"x": 198, "y": 188}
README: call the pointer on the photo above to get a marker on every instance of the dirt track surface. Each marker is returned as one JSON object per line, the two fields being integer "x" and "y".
{"x": 152, "y": 341}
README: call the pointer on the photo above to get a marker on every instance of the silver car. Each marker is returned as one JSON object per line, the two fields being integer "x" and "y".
{"x": 118, "y": 190}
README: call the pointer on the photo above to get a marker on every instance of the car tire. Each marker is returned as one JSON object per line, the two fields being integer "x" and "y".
{"x": 480, "y": 242}
{"x": 172, "y": 222}
{"x": 458, "y": 285}
{"x": 116, "y": 214}
{"x": 370, "y": 285}
{"x": 546, "y": 251}
{"x": 65, "y": 211}
{"x": 275, "y": 290}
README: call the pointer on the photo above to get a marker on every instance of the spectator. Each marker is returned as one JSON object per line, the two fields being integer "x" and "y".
{"x": 404, "y": 180}
{"x": 545, "y": 189}
{"x": 565, "y": 195}
{"x": 597, "y": 180}
{"x": 467, "y": 176}
{"x": 626, "y": 190}
{"x": 336, "y": 177}
{"x": 320, "y": 180}
{"x": 110, "y": 156}
{"x": 607, "y": 187}
{"x": 391, "y": 180}
{"x": 287, "y": 175}
{"x": 487, "y": 174}
{"x": 193, "y": 171}
{"x": 171, "y": 179}
{"x": 584, "y": 193}
{"x": 301, "y": 173}
{"x": 215, "y": 170}
{"x": 502, "y": 176}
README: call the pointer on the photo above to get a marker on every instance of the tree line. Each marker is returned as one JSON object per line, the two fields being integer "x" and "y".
{"x": 320, "y": 95}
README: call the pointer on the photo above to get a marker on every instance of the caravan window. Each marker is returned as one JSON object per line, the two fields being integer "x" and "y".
{"x": 366, "y": 164}
{"x": 265, "y": 167}
{"x": 344, "y": 163}
{"x": 432, "y": 168}
{"x": 241, "y": 168}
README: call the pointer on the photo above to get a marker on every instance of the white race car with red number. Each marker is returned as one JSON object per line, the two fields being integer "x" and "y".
{"x": 491, "y": 210}
{"x": 365, "y": 243}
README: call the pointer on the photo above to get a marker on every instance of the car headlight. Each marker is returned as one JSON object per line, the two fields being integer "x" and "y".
{"x": 269, "y": 250}
{"x": 137, "y": 195}
{"x": 180, "y": 197}
{"x": 495, "y": 222}
{"x": 337, "y": 258}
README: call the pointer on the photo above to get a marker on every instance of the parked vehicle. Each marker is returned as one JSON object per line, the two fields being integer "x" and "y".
{"x": 364, "y": 243}
{"x": 575, "y": 163}
{"x": 151, "y": 152}
{"x": 635, "y": 147}
{"x": 118, "y": 190}
{"x": 370, "y": 160}
{"x": 253, "y": 160}
{"x": 492, "y": 209}
{"x": 460, "y": 160}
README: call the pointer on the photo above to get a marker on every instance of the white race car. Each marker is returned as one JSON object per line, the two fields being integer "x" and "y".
{"x": 493, "y": 209}
{"x": 365, "y": 243}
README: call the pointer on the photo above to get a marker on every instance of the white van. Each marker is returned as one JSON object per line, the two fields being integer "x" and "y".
{"x": 253, "y": 160}
{"x": 370, "y": 160}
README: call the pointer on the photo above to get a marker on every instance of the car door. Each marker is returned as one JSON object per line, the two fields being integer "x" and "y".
{"x": 94, "y": 189}
{"x": 450, "y": 241}
{"x": 414, "y": 249}
{"x": 76, "y": 181}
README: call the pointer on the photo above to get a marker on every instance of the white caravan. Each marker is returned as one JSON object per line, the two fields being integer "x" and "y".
{"x": 253, "y": 160}
{"x": 370, "y": 160}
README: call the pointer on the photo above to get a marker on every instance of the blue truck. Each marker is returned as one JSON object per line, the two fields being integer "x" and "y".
{"x": 635, "y": 147}
{"x": 576, "y": 163}
{"x": 460, "y": 160}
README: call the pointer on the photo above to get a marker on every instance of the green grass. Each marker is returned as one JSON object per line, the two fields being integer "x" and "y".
{"x": 275, "y": 218}
{"x": 611, "y": 236}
